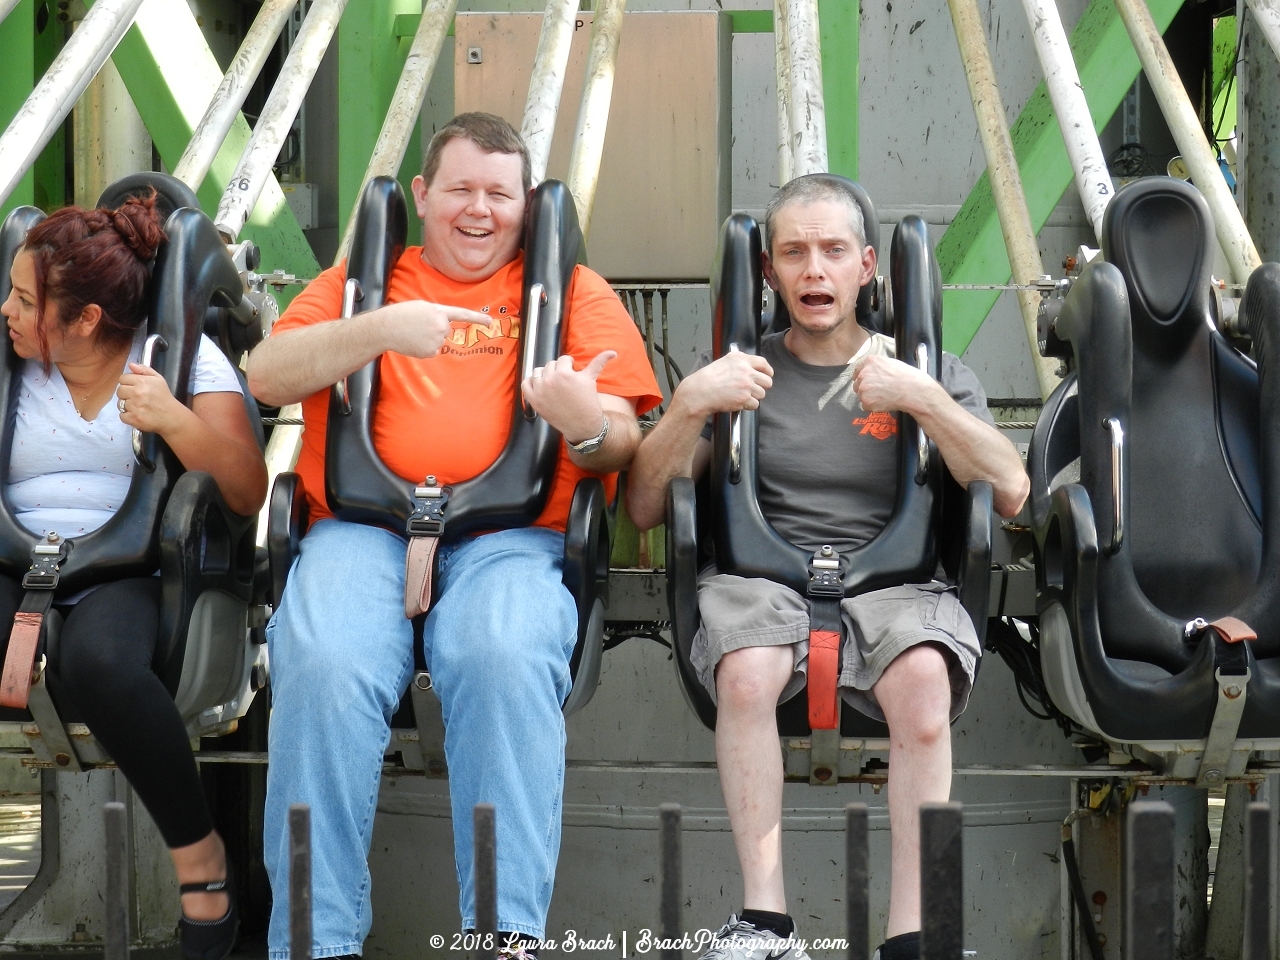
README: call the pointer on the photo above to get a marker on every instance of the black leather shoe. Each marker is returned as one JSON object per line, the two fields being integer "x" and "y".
{"x": 211, "y": 939}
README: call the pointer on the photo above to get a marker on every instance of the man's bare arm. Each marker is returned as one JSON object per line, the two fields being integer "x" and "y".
{"x": 290, "y": 366}
{"x": 675, "y": 448}
{"x": 971, "y": 448}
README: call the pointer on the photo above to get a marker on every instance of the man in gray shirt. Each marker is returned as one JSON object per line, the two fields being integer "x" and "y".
{"x": 826, "y": 390}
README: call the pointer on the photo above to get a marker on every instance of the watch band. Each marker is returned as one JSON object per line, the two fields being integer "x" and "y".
{"x": 591, "y": 444}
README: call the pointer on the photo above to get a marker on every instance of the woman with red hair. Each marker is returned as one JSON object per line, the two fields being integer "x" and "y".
{"x": 76, "y": 315}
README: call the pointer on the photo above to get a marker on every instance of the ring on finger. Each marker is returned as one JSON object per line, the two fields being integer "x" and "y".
{"x": 121, "y": 406}
{"x": 537, "y": 374}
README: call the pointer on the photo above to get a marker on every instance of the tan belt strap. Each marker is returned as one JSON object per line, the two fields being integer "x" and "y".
{"x": 1233, "y": 630}
{"x": 419, "y": 565}
{"x": 19, "y": 662}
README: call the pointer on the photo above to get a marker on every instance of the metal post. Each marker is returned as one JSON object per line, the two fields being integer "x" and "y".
{"x": 1093, "y": 180}
{"x": 808, "y": 116}
{"x": 486, "y": 880}
{"x": 1267, "y": 15}
{"x": 1189, "y": 135}
{"x": 406, "y": 103}
{"x": 856, "y": 877}
{"x": 61, "y": 86}
{"x": 782, "y": 67}
{"x": 1257, "y": 882}
{"x": 593, "y": 114}
{"x": 277, "y": 116}
{"x": 1006, "y": 180}
{"x": 672, "y": 877}
{"x": 115, "y": 944}
{"x": 547, "y": 83}
{"x": 1148, "y": 881}
{"x": 300, "y": 882}
{"x": 1226, "y": 912}
{"x": 212, "y": 130}
{"x": 941, "y": 886}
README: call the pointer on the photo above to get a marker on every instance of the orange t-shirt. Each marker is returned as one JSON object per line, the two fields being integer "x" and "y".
{"x": 449, "y": 415}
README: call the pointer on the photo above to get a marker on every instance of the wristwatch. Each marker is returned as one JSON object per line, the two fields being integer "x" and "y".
{"x": 591, "y": 444}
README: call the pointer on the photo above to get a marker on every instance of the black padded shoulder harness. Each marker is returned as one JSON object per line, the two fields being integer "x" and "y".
{"x": 190, "y": 269}
{"x": 746, "y": 544}
{"x": 514, "y": 489}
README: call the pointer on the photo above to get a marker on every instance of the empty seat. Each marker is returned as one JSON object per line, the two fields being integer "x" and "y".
{"x": 1154, "y": 498}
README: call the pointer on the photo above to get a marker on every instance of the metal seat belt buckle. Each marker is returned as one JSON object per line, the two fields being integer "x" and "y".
{"x": 425, "y": 528}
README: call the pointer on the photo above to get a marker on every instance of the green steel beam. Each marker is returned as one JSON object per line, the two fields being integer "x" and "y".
{"x": 972, "y": 250}
{"x": 1224, "y": 52}
{"x": 17, "y": 79}
{"x": 171, "y": 75}
{"x": 838, "y": 26}
{"x": 370, "y": 59}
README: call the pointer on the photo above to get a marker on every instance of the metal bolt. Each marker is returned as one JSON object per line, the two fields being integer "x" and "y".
{"x": 436, "y": 768}
{"x": 1213, "y": 776}
{"x": 62, "y": 760}
{"x": 53, "y": 536}
{"x": 823, "y": 774}
{"x": 431, "y": 479}
{"x": 826, "y": 550}
{"x": 1232, "y": 691}
{"x": 475, "y": 55}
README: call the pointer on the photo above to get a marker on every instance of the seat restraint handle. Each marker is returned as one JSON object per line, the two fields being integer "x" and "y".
{"x": 351, "y": 294}
{"x": 1113, "y": 426}
{"x": 735, "y": 438}
{"x": 825, "y": 591}
{"x": 155, "y": 343}
{"x": 537, "y": 300}
{"x": 39, "y": 582}
{"x": 922, "y": 441}
{"x": 425, "y": 528}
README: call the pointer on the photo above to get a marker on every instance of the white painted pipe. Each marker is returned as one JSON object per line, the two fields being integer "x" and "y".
{"x": 406, "y": 102}
{"x": 782, "y": 68}
{"x": 1267, "y": 15}
{"x": 547, "y": 83}
{"x": 1183, "y": 123}
{"x": 1006, "y": 180}
{"x": 6, "y": 8}
{"x": 593, "y": 113}
{"x": 277, "y": 116}
{"x": 58, "y": 90}
{"x": 808, "y": 117}
{"x": 223, "y": 109}
{"x": 1093, "y": 179}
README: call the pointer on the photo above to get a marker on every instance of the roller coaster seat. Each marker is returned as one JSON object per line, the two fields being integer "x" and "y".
{"x": 933, "y": 518}
{"x": 511, "y": 492}
{"x": 171, "y": 520}
{"x": 1155, "y": 499}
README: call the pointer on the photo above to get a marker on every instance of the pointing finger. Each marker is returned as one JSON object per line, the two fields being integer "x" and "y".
{"x": 466, "y": 316}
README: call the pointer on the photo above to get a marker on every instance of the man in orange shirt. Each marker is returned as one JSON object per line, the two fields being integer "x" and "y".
{"x": 498, "y": 640}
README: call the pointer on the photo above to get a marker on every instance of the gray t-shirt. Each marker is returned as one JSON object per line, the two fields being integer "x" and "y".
{"x": 828, "y": 468}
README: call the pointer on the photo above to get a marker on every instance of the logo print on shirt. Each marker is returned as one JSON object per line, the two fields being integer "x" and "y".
{"x": 466, "y": 336}
{"x": 882, "y": 426}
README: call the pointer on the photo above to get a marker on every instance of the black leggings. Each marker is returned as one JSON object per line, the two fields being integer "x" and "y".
{"x": 103, "y": 677}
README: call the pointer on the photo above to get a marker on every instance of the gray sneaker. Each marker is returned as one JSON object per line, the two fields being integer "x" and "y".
{"x": 740, "y": 940}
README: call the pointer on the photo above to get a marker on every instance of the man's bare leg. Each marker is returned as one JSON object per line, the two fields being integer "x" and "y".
{"x": 915, "y": 694}
{"x": 748, "y": 684}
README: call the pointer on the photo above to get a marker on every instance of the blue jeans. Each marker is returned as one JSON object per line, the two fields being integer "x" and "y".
{"x": 497, "y": 644}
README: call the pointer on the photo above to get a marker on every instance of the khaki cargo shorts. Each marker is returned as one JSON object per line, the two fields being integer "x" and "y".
{"x": 739, "y": 612}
